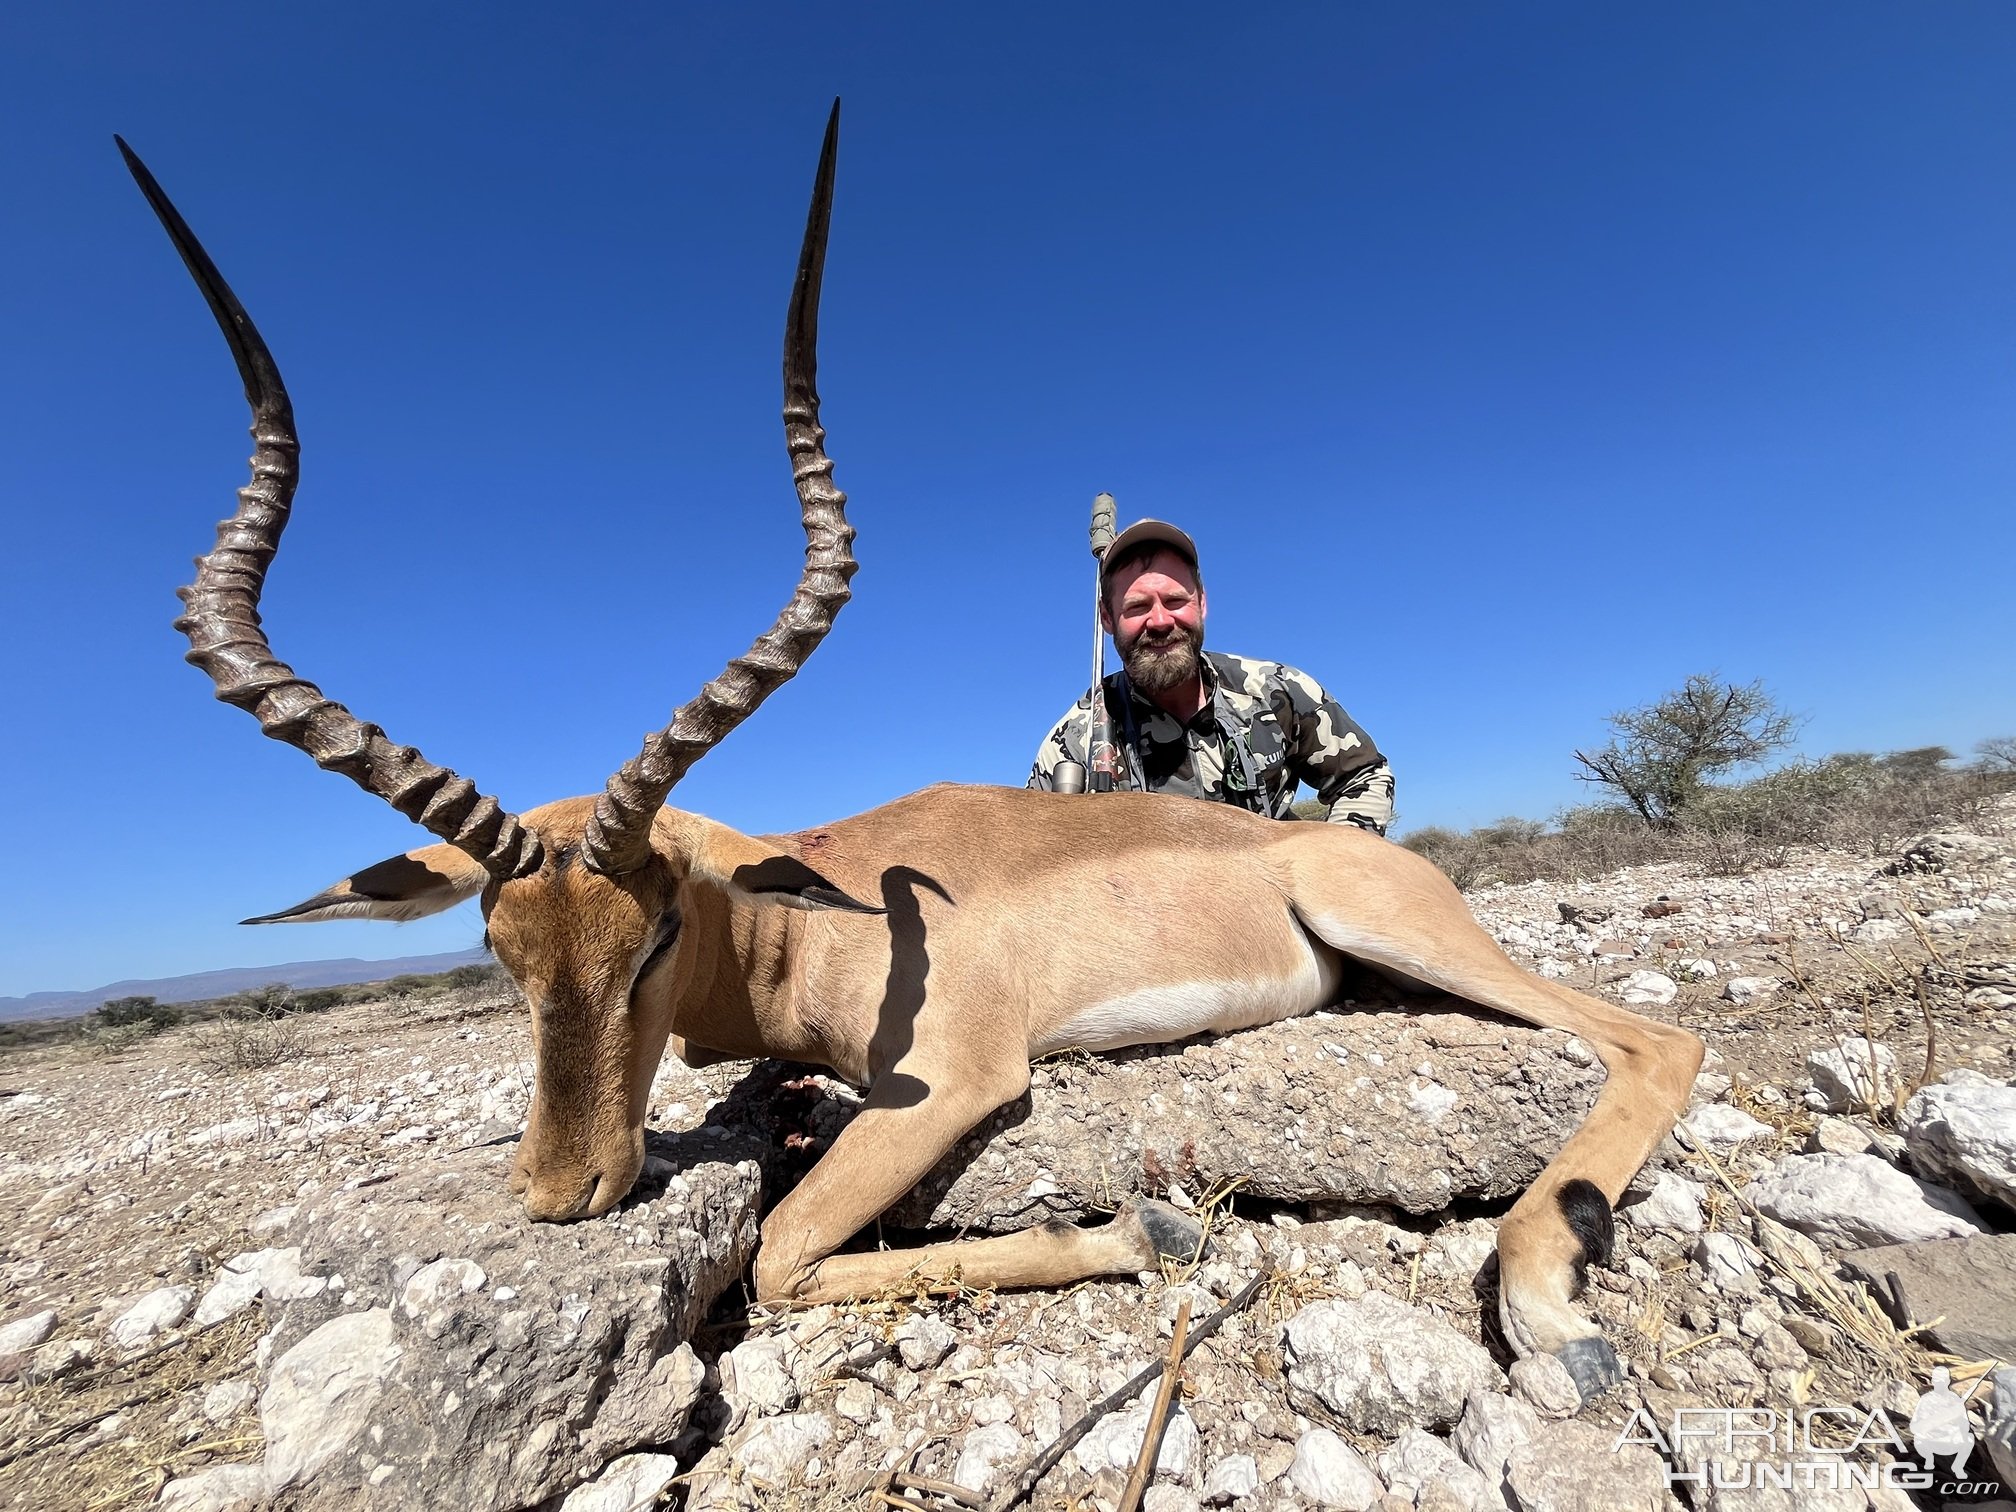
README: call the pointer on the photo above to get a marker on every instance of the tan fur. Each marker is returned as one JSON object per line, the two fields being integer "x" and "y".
{"x": 1007, "y": 918}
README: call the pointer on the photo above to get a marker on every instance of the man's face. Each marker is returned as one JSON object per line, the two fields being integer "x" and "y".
{"x": 1155, "y": 609}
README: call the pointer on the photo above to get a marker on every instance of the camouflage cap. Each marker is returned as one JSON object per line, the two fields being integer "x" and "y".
{"x": 1145, "y": 532}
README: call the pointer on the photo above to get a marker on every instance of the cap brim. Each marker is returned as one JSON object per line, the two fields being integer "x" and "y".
{"x": 1157, "y": 532}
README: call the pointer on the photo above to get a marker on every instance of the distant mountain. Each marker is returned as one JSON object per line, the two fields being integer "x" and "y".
{"x": 214, "y": 984}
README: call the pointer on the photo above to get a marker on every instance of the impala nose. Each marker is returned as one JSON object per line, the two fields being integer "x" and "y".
{"x": 562, "y": 1199}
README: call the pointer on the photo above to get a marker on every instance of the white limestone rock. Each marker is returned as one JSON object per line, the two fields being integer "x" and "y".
{"x": 274, "y": 1273}
{"x": 924, "y": 1339}
{"x": 1115, "y": 1443}
{"x": 1418, "y": 1459}
{"x": 1381, "y": 1366}
{"x": 1965, "y": 1134}
{"x": 1721, "y": 1128}
{"x": 1579, "y": 1467}
{"x": 1492, "y": 1427}
{"x": 1728, "y": 1263}
{"x": 1649, "y": 987}
{"x": 220, "y": 1488}
{"x": 1744, "y": 991}
{"x": 1851, "y": 1075}
{"x": 776, "y": 1449}
{"x": 156, "y": 1313}
{"x": 1673, "y": 1207}
{"x": 23, "y": 1334}
{"x": 628, "y": 1484}
{"x": 1859, "y": 1201}
{"x": 986, "y": 1451}
{"x": 322, "y": 1391}
{"x": 1231, "y": 1480}
{"x": 756, "y": 1377}
{"x": 1330, "y": 1473}
{"x": 1543, "y": 1383}
{"x": 227, "y": 1399}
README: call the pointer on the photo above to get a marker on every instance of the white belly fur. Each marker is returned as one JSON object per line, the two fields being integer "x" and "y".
{"x": 1177, "y": 1010}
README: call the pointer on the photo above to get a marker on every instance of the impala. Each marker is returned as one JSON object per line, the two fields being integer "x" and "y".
{"x": 926, "y": 950}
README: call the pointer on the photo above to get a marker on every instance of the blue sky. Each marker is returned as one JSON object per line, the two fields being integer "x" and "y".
{"x": 1508, "y": 363}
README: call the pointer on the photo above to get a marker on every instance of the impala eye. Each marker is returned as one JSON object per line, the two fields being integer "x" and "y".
{"x": 667, "y": 937}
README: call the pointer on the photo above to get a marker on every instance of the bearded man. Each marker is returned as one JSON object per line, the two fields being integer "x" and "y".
{"x": 1203, "y": 724}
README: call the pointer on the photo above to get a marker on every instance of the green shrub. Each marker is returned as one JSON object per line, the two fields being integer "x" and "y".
{"x": 141, "y": 1014}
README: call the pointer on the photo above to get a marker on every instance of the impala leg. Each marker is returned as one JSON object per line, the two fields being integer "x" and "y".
{"x": 1563, "y": 1221}
{"x": 910, "y": 1119}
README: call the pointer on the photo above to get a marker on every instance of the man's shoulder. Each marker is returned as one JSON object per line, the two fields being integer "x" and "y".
{"x": 1251, "y": 676}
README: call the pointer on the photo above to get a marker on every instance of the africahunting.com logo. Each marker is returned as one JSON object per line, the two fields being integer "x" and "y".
{"x": 1826, "y": 1448}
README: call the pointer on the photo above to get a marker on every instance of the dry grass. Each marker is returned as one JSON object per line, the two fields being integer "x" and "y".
{"x": 128, "y": 1466}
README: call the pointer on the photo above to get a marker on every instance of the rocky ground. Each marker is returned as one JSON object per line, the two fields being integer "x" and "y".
{"x": 304, "y": 1284}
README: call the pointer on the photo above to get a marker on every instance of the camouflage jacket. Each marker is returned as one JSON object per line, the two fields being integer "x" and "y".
{"x": 1264, "y": 729}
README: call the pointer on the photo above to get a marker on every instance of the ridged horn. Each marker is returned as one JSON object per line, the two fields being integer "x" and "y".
{"x": 222, "y": 607}
{"x": 618, "y": 837}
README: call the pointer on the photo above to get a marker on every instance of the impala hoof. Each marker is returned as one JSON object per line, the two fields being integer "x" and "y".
{"x": 1593, "y": 1364}
{"x": 1171, "y": 1234}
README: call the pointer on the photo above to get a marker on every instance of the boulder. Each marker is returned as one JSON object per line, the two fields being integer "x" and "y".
{"x": 1966, "y": 1135}
{"x": 1380, "y": 1366}
{"x": 1580, "y": 1467}
{"x": 1410, "y": 1110}
{"x": 1964, "y": 1282}
{"x": 1856, "y": 1201}
{"x": 461, "y": 1355}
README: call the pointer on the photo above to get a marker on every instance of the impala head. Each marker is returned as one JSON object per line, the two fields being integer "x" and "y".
{"x": 583, "y": 898}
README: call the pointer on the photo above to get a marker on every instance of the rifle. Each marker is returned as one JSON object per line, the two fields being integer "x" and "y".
{"x": 1100, "y": 750}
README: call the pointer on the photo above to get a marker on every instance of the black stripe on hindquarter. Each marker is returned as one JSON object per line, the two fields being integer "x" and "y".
{"x": 1586, "y": 1211}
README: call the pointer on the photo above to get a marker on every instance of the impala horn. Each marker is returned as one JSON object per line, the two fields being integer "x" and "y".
{"x": 618, "y": 837}
{"x": 222, "y": 618}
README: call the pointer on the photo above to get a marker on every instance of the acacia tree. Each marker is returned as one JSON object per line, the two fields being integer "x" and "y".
{"x": 1665, "y": 753}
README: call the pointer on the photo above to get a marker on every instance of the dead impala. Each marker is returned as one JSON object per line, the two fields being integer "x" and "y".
{"x": 983, "y": 940}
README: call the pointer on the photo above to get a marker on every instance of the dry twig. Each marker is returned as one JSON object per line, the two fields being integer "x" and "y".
{"x": 1045, "y": 1462}
{"x": 1158, "y": 1416}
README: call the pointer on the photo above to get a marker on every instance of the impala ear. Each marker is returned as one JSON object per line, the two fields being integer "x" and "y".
{"x": 411, "y": 886}
{"x": 766, "y": 874}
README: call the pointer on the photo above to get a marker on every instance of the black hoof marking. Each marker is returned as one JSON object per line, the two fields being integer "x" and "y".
{"x": 1593, "y": 1364}
{"x": 1174, "y": 1236}
{"x": 1586, "y": 1211}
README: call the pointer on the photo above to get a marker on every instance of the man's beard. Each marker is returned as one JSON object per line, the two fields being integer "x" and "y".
{"x": 1158, "y": 667}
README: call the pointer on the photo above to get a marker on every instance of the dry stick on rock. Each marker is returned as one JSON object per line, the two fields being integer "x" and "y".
{"x": 1931, "y": 1038}
{"x": 903, "y": 1480}
{"x": 1158, "y": 1416}
{"x": 1044, "y": 1463}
